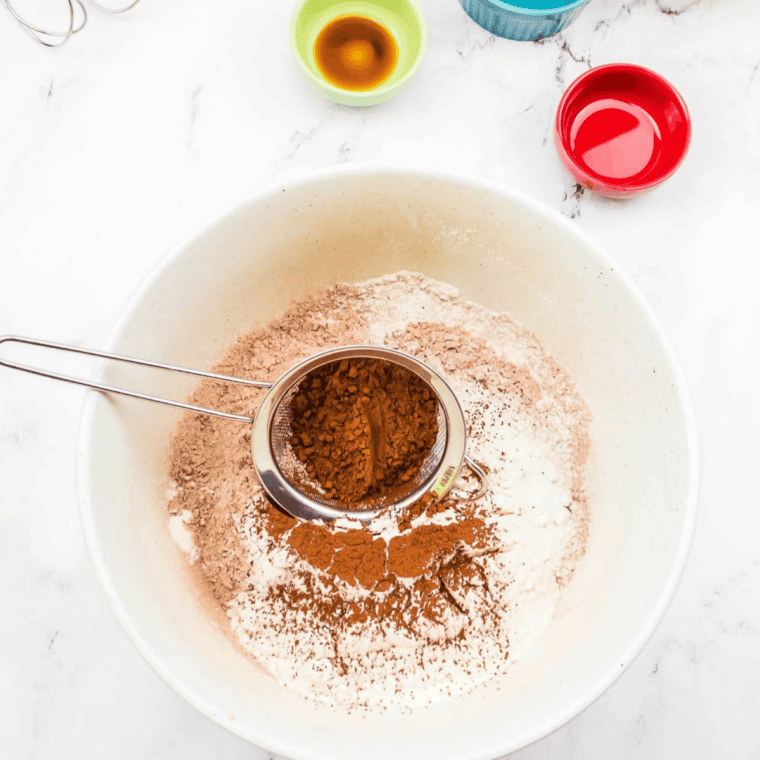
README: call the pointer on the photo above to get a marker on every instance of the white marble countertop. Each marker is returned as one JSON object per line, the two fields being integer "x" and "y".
{"x": 117, "y": 144}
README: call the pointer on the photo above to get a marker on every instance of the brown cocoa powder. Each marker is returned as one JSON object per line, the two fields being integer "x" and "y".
{"x": 437, "y": 559}
{"x": 362, "y": 427}
{"x": 358, "y": 558}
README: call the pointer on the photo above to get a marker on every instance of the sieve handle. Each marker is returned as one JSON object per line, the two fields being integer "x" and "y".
{"x": 481, "y": 476}
{"x": 127, "y": 360}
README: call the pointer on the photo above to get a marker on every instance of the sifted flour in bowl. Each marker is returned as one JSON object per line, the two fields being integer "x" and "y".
{"x": 418, "y": 605}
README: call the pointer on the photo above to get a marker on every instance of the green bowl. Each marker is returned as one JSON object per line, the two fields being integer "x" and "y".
{"x": 402, "y": 18}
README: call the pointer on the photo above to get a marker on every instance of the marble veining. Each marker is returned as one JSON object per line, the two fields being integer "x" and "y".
{"x": 119, "y": 143}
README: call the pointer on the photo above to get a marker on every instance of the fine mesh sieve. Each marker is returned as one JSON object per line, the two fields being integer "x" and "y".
{"x": 271, "y": 450}
{"x": 272, "y": 454}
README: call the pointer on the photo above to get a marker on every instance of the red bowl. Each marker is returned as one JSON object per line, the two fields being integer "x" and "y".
{"x": 621, "y": 129}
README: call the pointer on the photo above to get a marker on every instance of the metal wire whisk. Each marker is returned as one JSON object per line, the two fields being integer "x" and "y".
{"x": 77, "y": 21}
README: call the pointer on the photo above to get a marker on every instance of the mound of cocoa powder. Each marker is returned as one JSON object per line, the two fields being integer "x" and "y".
{"x": 362, "y": 427}
{"x": 414, "y": 574}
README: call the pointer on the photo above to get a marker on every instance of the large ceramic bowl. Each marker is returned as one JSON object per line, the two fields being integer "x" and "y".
{"x": 501, "y": 249}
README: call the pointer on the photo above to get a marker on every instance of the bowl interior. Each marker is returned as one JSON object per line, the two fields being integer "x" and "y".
{"x": 623, "y": 127}
{"x": 402, "y": 18}
{"x": 537, "y": 6}
{"x": 509, "y": 254}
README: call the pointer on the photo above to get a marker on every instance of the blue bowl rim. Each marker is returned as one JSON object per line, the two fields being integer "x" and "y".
{"x": 501, "y": 5}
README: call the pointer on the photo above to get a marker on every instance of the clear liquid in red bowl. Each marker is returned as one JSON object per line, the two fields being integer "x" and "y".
{"x": 616, "y": 139}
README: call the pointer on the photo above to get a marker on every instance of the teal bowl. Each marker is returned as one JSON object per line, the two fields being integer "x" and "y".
{"x": 523, "y": 19}
{"x": 402, "y": 18}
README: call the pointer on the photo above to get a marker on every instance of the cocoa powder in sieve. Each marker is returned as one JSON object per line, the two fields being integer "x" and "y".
{"x": 362, "y": 428}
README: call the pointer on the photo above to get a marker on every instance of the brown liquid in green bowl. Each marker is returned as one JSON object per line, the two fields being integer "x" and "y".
{"x": 355, "y": 53}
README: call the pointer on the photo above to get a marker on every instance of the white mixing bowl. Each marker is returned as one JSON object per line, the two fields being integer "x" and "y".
{"x": 502, "y": 250}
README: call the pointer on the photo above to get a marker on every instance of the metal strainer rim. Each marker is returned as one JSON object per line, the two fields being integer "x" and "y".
{"x": 295, "y": 503}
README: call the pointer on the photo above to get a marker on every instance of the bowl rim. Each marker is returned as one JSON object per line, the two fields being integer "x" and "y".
{"x": 503, "y": 5}
{"x": 647, "y": 626}
{"x": 376, "y": 94}
{"x": 592, "y": 181}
